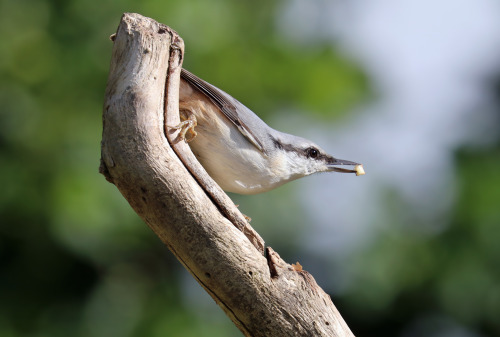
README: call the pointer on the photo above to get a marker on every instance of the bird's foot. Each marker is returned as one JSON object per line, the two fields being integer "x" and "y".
{"x": 187, "y": 125}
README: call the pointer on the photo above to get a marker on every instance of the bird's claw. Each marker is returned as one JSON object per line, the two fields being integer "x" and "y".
{"x": 186, "y": 126}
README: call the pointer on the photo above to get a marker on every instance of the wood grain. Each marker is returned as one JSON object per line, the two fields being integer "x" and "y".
{"x": 261, "y": 293}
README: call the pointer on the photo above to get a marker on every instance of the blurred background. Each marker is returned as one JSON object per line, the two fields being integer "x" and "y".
{"x": 409, "y": 88}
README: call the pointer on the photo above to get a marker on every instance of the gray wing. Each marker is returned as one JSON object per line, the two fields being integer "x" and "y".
{"x": 229, "y": 106}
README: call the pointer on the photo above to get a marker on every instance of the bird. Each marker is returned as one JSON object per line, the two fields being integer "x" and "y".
{"x": 239, "y": 150}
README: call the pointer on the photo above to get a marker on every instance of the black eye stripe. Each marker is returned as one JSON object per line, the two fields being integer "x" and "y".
{"x": 309, "y": 152}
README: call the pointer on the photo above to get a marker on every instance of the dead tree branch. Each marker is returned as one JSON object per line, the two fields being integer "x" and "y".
{"x": 170, "y": 191}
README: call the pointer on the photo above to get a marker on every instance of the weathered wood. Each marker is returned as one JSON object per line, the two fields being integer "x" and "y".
{"x": 262, "y": 294}
{"x": 181, "y": 148}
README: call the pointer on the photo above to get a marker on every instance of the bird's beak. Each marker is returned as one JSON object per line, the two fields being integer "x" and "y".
{"x": 334, "y": 162}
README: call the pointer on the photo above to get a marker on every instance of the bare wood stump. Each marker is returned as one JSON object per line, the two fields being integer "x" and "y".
{"x": 261, "y": 293}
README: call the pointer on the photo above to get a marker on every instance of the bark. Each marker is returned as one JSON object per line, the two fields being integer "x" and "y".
{"x": 170, "y": 191}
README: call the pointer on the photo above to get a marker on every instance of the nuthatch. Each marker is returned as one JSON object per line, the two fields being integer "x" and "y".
{"x": 239, "y": 151}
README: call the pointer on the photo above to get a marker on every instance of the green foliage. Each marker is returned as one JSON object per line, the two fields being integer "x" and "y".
{"x": 74, "y": 258}
{"x": 453, "y": 272}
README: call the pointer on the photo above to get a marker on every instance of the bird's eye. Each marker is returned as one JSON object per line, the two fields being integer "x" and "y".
{"x": 312, "y": 153}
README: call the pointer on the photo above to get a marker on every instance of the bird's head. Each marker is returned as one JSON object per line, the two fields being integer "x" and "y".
{"x": 298, "y": 157}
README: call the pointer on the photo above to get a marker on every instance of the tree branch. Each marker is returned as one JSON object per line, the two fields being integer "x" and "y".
{"x": 262, "y": 294}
